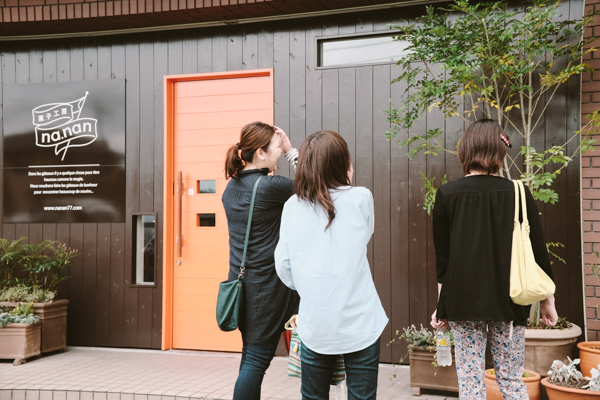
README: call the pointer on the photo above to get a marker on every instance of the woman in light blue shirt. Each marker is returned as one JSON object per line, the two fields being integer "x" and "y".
{"x": 322, "y": 253}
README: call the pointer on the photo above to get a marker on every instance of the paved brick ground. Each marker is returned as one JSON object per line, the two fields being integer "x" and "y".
{"x": 111, "y": 374}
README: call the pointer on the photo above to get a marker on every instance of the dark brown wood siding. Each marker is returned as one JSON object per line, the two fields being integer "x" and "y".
{"x": 106, "y": 310}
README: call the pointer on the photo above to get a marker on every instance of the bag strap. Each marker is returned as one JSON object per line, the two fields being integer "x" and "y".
{"x": 242, "y": 268}
{"x": 520, "y": 192}
{"x": 516, "y": 185}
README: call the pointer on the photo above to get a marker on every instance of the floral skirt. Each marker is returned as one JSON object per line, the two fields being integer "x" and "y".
{"x": 508, "y": 352}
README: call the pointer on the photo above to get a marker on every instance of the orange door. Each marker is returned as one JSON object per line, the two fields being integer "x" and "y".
{"x": 208, "y": 113}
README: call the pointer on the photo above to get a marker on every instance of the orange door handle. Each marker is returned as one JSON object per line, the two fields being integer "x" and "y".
{"x": 178, "y": 194}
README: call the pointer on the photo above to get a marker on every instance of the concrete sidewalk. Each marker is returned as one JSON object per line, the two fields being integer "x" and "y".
{"x": 83, "y": 373}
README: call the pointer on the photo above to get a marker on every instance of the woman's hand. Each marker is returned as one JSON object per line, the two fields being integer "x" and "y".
{"x": 438, "y": 323}
{"x": 548, "y": 311}
{"x": 284, "y": 141}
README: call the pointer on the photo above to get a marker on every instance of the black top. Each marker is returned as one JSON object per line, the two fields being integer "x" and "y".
{"x": 269, "y": 303}
{"x": 472, "y": 233}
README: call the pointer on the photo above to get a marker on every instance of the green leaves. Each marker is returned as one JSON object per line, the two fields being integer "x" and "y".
{"x": 470, "y": 61}
{"x": 430, "y": 191}
{"x": 39, "y": 265}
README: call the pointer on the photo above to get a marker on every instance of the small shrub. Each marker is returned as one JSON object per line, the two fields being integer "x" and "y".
{"x": 418, "y": 337}
{"x": 594, "y": 381}
{"x": 566, "y": 375}
{"x": 21, "y": 314}
{"x": 26, "y": 294}
{"x": 32, "y": 272}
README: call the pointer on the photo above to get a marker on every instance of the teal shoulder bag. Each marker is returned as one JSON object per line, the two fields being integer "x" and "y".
{"x": 230, "y": 301}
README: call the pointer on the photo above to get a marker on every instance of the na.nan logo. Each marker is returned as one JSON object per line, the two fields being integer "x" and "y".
{"x": 58, "y": 125}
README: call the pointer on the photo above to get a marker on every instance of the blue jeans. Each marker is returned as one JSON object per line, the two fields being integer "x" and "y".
{"x": 362, "y": 368}
{"x": 256, "y": 358}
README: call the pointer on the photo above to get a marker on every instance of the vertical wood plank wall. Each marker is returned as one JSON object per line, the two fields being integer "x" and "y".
{"x": 106, "y": 310}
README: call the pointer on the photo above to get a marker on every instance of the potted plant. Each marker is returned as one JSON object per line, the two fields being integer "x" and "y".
{"x": 566, "y": 382}
{"x": 589, "y": 352}
{"x": 32, "y": 273}
{"x": 20, "y": 335}
{"x": 488, "y": 61}
{"x": 531, "y": 379}
{"x": 424, "y": 371}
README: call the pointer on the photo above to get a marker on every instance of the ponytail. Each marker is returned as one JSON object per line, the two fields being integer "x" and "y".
{"x": 233, "y": 162}
{"x": 254, "y": 136}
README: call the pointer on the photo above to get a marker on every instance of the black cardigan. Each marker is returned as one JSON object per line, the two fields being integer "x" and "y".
{"x": 269, "y": 303}
{"x": 472, "y": 233}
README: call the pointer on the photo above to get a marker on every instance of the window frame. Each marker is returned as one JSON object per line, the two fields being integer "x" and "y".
{"x": 365, "y": 35}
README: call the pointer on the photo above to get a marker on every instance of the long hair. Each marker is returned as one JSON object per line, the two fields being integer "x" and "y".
{"x": 254, "y": 136}
{"x": 323, "y": 164}
{"x": 482, "y": 148}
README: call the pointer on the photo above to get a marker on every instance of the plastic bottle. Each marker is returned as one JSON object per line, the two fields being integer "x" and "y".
{"x": 443, "y": 348}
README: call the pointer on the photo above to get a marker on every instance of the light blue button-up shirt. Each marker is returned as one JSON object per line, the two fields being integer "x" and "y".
{"x": 340, "y": 311}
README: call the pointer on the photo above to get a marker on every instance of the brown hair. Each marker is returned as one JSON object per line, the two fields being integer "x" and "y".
{"x": 254, "y": 136}
{"x": 323, "y": 164}
{"x": 482, "y": 148}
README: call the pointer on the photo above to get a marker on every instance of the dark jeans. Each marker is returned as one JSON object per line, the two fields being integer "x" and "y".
{"x": 362, "y": 368}
{"x": 255, "y": 361}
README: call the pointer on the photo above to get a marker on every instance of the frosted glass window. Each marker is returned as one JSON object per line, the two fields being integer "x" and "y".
{"x": 144, "y": 228}
{"x": 360, "y": 50}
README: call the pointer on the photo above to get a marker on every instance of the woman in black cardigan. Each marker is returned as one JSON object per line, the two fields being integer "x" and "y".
{"x": 472, "y": 232}
{"x": 268, "y": 302}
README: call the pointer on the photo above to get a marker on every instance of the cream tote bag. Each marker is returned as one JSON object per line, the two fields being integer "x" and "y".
{"x": 528, "y": 282}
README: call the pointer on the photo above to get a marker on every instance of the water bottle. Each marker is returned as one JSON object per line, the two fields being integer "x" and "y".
{"x": 443, "y": 348}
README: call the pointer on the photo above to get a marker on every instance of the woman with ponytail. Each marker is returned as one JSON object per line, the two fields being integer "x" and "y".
{"x": 269, "y": 303}
{"x": 322, "y": 253}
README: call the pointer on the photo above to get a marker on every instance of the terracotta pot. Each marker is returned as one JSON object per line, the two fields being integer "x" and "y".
{"x": 589, "y": 356}
{"x": 20, "y": 341}
{"x": 556, "y": 392}
{"x": 543, "y": 346}
{"x": 53, "y": 320}
{"x": 493, "y": 391}
{"x": 423, "y": 375}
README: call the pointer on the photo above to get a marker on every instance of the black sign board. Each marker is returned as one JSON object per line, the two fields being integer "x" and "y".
{"x": 64, "y": 152}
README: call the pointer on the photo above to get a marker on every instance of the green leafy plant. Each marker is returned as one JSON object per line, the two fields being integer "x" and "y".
{"x": 420, "y": 337}
{"x": 484, "y": 60}
{"x": 32, "y": 272}
{"x": 27, "y": 294}
{"x": 495, "y": 63}
{"x": 11, "y": 254}
{"x": 21, "y": 314}
{"x": 45, "y": 263}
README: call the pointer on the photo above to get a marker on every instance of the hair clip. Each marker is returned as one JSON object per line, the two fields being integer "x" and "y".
{"x": 238, "y": 146}
{"x": 505, "y": 140}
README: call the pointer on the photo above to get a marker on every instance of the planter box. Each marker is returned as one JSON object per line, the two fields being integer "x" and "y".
{"x": 53, "y": 320}
{"x": 20, "y": 341}
{"x": 543, "y": 346}
{"x": 556, "y": 392}
{"x": 423, "y": 375}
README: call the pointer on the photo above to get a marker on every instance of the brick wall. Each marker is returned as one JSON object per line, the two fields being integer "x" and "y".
{"x": 590, "y": 183}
